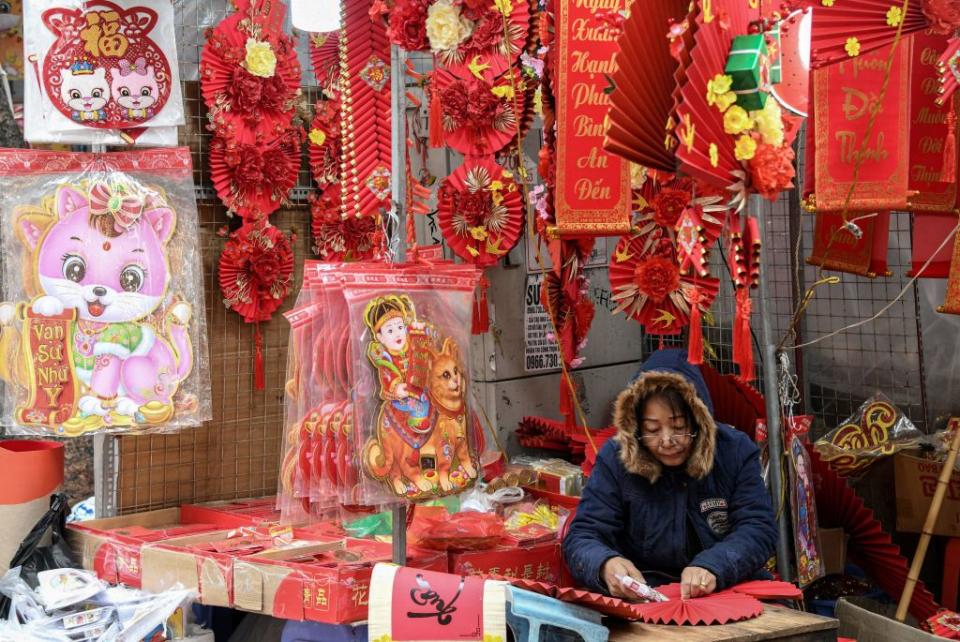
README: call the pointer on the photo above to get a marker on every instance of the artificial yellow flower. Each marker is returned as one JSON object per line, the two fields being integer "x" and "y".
{"x": 317, "y": 136}
{"x": 495, "y": 186}
{"x": 746, "y": 148}
{"x": 446, "y": 28}
{"x": 714, "y": 155}
{"x": 502, "y": 91}
{"x": 538, "y": 102}
{"x": 479, "y": 233}
{"x": 506, "y": 173}
{"x": 505, "y": 7}
{"x": 638, "y": 176}
{"x": 736, "y": 120}
{"x": 260, "y": 59}
{"x": 852, "y": 47}
{"x": 474, "y": 252}
{"x": 768, "y": 122}
{"x": 826, "y": 3}
{"x": 718, "y": 92}
{"x": 894, "y": 16}
{"x": 497, "y": 198}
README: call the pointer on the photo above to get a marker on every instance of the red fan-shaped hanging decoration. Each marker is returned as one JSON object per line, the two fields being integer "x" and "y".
{"x": 603, "y": 603}
{"x": 649, "y": 286}
{"x": 325, "y": 56}
{"x": 718, "y": 608}
{"x": 477, "y": 113}
{"x": 250, "y": 72}
{"x": 487, "y": 34}
{"x": 850, "y": 28}
{"x": 480, "y": 211}
{"x": 340, "y": 238}
{"x": 735, "y": 403}
{"x": 255, "y": 272}
{"x": 572, "y": 312}
{"x": 642, "y": 104}
{"x": 254, "y": 179}
{"x": 838, "y": 506}
{"x": 324, "y": 138}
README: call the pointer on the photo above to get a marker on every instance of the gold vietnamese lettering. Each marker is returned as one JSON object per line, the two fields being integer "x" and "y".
{"x": 585, "y": 93}
{"x": 599, "y": 5}
{"x": 588, "y": 189}
{"x": 929, "y": 57}
{"x": 922, "y": 173}
{"x": 861, "y": 64}
{"x": 583, "y": 29}
{"x": 857, "y": 103}
{"x": 930, "y": 87}
{"x": 850, "y": 148}
{"x": 583, "y": 126}
{"x": 584, "y": 64}
{"x": 931, "y": 145}
{"x": 595, "y": 159}
{"x": 927, "y": 116}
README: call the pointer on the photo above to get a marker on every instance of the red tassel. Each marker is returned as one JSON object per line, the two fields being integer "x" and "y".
{"x": 258, "y": 376}
{"x": 695, "y": 350}
{"x": 436, "y": 117}
{"x": 742, "y": 339}
{"x": 949, "y": 172}
{"x": 481, "y": 312}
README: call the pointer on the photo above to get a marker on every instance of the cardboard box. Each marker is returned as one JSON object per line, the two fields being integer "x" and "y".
{"x": 327, "y": 583}
{"x": 833, "y": 549}
{"x": 111, "y": 547}
{"x": 541, "y": 562}
{"x": 916, "y": 481}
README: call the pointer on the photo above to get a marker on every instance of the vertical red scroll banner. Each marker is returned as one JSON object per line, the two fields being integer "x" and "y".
{"x": 593, "y": 186}
{"x": 933, "y": 189}
{"x": 53, "y": 388}
{"x": 844, "y": 95}
{"x": 436, "y": 606}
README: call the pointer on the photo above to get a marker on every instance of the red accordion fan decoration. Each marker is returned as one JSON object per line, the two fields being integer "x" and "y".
{"x": 642, "y": 105}
{"x": 480, "y": 211}
{"x": 769, "y": 590}
{"x": 256, "y": 269}
{"x": 854, "y": 27}
{"x": 325, "y": 56}
{"x": 603, "y": 603}
{"x": 253, "y": 178}
{"x": 487, "y": 36}
{"x": 340, "y": 238}
{"x": 838, "y": 506}
{"x": 324, "y": 138}
{"x": 718, "y": 608}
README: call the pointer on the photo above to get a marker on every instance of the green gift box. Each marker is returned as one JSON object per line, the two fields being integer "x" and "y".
{"x": 776, "y": 57}
{"x": 749, "y": 67}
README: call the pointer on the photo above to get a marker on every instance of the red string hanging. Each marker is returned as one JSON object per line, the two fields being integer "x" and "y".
{"x": 695, "y": 349}
{"x": 436, "y": 117}
{"x": 481, "y": 311}
{"x": 742, "y": 339}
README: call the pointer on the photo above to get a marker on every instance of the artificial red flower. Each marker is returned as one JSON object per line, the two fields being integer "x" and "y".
{"x": 472, "y": 9}
{"x": 772, "y": 170}
{"x": 657, "y": 277}
{"x": 454, "y": 100}
{"x": 944, "y": 15}
{"x": 668, "y": 205}
{"x": 256, "y": 269}
{"x": 408, "y": 25}
{"x": 343, "y": 239}
{"x": 487, "y": 32}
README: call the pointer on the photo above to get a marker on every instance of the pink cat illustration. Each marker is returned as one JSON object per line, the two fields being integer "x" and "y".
{"x": 135, "y": 88}
{"x": 112, "y": 269}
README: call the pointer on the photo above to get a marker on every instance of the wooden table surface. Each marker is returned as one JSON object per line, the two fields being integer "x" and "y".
{"x": 776, "y": 623}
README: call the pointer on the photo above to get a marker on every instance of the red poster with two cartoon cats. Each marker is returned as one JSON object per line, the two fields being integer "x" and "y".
{"x": 100, "y": 71}
{"x": 101, "y": 298}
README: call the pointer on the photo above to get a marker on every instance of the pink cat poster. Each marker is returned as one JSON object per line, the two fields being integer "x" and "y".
{"x": 102, "y": 323}
{"x": 101, "y": 71}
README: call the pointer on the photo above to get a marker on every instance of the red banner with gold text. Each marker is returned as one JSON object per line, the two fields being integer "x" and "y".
{"x": 593, "y": 186}
{"x": 844, "y": 95}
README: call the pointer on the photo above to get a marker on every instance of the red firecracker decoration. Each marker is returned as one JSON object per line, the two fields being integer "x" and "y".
{"x": 744, "y": 258}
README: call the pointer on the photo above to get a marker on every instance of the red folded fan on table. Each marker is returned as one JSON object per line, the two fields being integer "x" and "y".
{"x": 603, "y": 603}
{"x": 716, "y": 608}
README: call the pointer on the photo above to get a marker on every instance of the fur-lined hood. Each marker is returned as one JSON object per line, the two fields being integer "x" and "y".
{"x": 666, "y": 369}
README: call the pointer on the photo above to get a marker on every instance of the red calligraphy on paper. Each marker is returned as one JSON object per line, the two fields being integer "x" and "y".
{"x": 53, "y": 388}
{"x": 593, "y": 186}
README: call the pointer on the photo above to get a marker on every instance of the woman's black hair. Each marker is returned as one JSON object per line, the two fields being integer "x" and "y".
{"x": 672, "y": 398}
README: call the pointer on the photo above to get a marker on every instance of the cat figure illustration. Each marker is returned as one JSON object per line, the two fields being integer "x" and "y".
{"x": 134, "y": 87}
{"x": 85, "y": 90}
{"x": 112, "y": 270}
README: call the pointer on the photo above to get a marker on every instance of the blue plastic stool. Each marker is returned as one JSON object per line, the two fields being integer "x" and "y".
{"x": 319, "y": 632}
{"x": 538, "y": 618}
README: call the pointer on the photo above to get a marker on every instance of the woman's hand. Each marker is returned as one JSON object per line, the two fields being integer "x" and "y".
{"x": 617, "y": 567}
{"x": 696, "y": 582}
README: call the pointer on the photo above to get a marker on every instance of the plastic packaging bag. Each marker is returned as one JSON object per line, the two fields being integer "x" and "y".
{"x": 102, "y": 326}
{"x": 416, "y": 437}
{"x": 878, "y": 429}
{"x": 436, "y": 529}
{"x": 104, "y": 71}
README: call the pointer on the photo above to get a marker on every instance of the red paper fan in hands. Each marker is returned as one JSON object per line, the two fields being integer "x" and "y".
{"x": 250, "y": 72}
{"x": 480, "y": 211}
{"x": 649, "y": 286}
{"x": 256, "y": 269}
{"x": 477, "y": 114}
{"x": 254, "y": 179}
{"x": 716, "y": 608}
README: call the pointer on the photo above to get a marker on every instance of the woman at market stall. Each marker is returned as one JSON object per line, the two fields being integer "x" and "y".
{"x": 674, "y": 496}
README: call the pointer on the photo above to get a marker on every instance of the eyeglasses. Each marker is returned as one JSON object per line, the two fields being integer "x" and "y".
{"x": 672, "y": 438}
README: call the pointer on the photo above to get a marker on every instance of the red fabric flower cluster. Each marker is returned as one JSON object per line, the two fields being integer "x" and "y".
{"x": 254, "y": 180}
{"x": 469, "y": 104}
{"x": 668, "y": 205}
{"x": 657, "y": 277}
{"x": 408, "y": 24}
{"x": 771, "y": 169}
{"x": 256, "y": 269}
{"x": 338, "y": 238}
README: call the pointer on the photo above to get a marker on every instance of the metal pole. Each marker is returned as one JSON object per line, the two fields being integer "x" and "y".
{"x": 398, "y": 177}
{"x": 772, "y": 397}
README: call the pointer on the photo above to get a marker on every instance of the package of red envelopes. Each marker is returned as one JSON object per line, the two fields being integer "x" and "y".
{"x": 416, "y": 436}
{"x": 102, "y": 326}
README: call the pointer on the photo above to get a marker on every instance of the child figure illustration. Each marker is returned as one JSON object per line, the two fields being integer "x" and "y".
{"x": 134, "y": 87}
{"x": 389, "y": 319}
